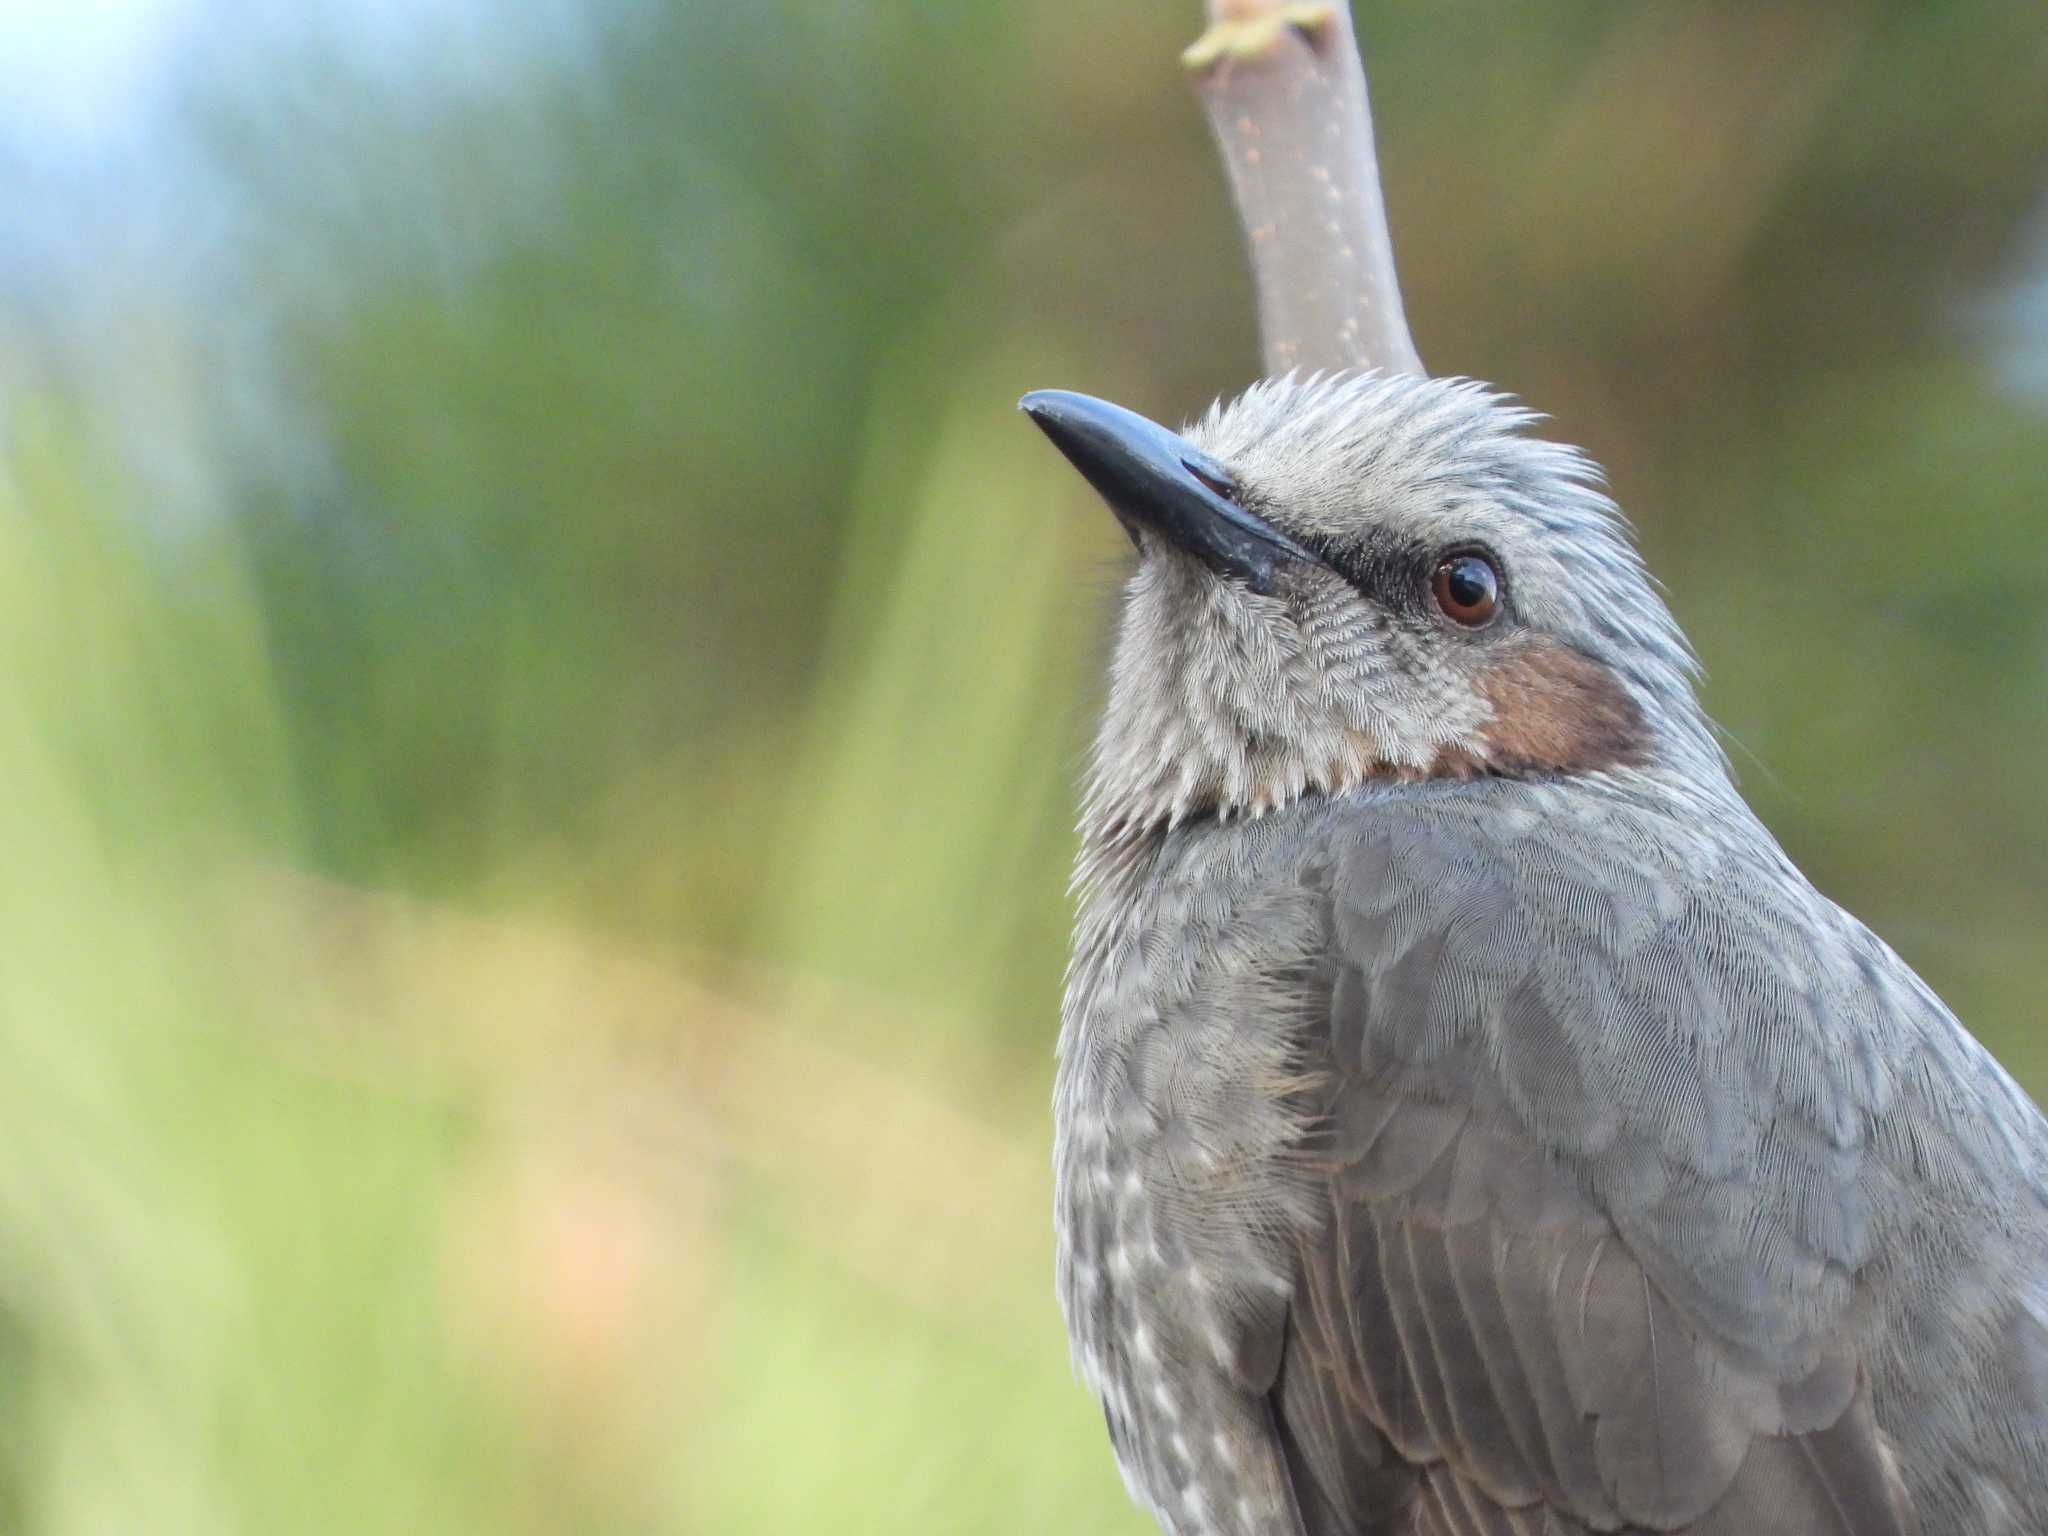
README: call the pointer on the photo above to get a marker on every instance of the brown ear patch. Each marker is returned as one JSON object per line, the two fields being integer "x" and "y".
{"x": 1555, "y": 710}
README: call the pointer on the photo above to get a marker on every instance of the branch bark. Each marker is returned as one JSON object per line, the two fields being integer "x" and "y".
{"x": 1284, "y": 90}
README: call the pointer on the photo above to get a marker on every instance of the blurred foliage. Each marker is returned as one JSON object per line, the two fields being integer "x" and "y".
{"x": 542, "y": 677}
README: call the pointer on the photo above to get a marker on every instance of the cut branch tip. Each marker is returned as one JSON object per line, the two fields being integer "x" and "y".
{"x": 1249, "y": 33}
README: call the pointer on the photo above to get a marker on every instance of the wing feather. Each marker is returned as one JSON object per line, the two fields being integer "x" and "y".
{"x": 1476, "y": 1346}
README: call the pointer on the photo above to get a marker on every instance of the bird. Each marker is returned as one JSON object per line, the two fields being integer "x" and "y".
{"x": 1468, "y": 1120}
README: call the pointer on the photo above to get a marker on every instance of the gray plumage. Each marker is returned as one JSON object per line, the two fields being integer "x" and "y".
{"x": 1468, "y": 1119}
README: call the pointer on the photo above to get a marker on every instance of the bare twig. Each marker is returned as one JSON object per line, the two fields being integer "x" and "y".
{"x": 1284, "y": 90}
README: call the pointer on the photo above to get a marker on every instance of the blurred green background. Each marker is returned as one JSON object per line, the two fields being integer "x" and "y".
{"x": 541, "y": 674}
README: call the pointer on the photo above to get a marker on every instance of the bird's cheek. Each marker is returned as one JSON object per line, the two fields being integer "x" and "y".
{"x": 1556, "y": 710}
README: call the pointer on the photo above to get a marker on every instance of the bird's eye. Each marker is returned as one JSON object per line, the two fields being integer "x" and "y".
{"x": 1467, "y": 589}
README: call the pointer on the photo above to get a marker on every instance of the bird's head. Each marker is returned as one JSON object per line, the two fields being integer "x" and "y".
{"x": 1366, "y": 577}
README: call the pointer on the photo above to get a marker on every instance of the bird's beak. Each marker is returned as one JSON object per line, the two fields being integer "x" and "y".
{"x": 1158, "y": 480}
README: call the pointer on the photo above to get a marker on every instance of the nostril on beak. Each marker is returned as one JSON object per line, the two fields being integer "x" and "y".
{"x": 1221, "y": 484}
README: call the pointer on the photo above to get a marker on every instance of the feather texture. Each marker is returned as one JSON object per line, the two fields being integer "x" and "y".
{"x": 1476, "y": 1310}
{"x": 1572, "y": 1206}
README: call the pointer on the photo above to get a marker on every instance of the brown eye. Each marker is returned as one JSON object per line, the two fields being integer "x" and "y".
{"x": 1467, "y": 589}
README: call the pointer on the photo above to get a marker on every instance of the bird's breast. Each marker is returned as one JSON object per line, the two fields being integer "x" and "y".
{"x": 1176, "y": 1111}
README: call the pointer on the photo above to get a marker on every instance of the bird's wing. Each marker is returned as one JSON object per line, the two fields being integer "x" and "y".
{"x": 1525, "y": 1308}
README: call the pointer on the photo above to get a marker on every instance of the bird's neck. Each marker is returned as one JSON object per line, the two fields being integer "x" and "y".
{"x": 1162, "y": 760}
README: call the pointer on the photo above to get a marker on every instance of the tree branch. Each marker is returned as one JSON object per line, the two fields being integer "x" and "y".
{"x": 1284, "y": 90}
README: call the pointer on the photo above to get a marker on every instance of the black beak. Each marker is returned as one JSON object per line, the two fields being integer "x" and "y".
{"x": 1156, "y": 479}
